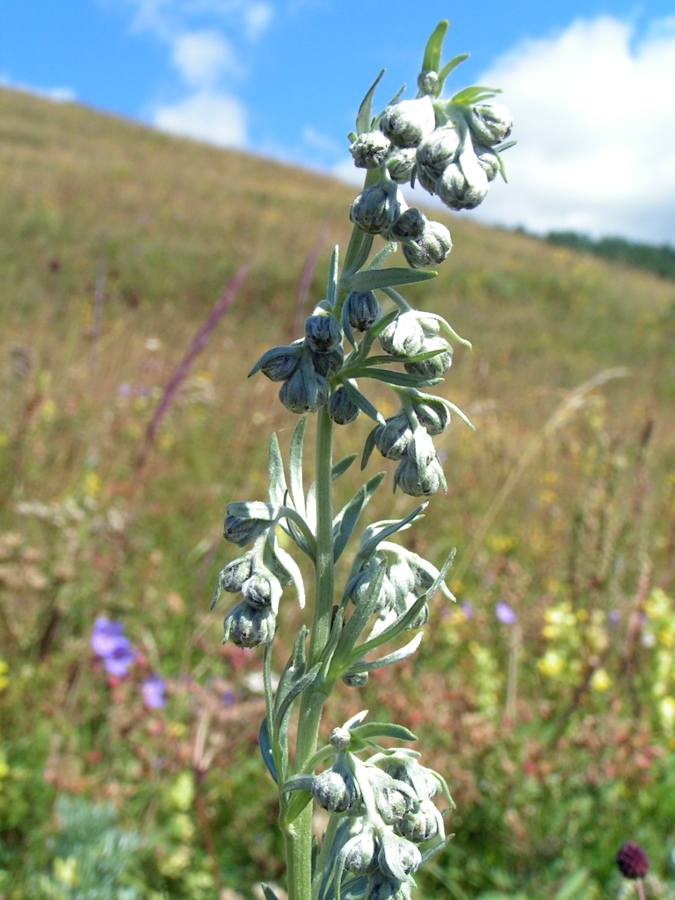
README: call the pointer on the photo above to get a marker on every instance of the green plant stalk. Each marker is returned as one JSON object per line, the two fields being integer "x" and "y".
{"x": 298, "y": 833}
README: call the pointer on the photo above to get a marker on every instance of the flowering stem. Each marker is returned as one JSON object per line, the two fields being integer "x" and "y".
{"x": 298, "y": 833}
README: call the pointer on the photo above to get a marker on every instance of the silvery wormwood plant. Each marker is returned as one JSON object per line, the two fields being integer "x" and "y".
{"x": 383, "y": 822}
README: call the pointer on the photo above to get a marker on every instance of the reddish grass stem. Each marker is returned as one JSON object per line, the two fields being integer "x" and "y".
{"x": 181, "y": 371}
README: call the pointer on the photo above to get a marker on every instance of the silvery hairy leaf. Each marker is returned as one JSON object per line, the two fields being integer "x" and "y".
{"x": 345, "y": 521}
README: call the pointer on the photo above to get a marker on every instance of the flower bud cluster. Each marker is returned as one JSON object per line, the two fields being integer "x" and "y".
{"x": 390, "y": 811}
{"x": 260, "y": 576}
{"x": 450, "y": 148}
{"x": 306, "y": 365}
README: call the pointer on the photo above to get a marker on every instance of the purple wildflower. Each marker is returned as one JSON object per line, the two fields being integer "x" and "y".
{"x": 105, "y": 636}
{"x": 120, "y": 658}
{"x": 153, "y": 692}
{"x": 466, "y": 609}
{"x": 504, "y": 613}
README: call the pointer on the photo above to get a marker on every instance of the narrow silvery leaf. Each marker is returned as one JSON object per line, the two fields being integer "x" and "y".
{"x": 431, "y": 61}
{"x": 389, "y": 660}
{"x": 355, "y": 720}
{"x": 266, "y": 749}
{"x": 358, "y": 250}
{"x": 346, "y": 327}
{"x": 388, "y": 376}
{"x": 449, "y": 67}
{"x": 333, "y": 638}
{"x": 331, "y": 291}
{"x": 341, "y": 834}
{"x": 346, "y": 519}
{"x": 373, "y": 279}
{"x": 298, "y": 783}
{"x": 294, "y": 668}
{"x": 253, "y": 509}
{"x": 368, "y": 448}
{"x": 380, "y": 531}
{"x": 281, "y": 714}
{"x": 378, "y": 260}
{"x": 359, "y": 618}
{"x": 342, "y": 465}
{"x": 295, "y": 466}
{"x": 294, "y": 573}
{"x": 384, "y": 729}
{"x": 474, "y": 94}
{"x": 277, "y": 478}
{"x": 364, "y": 115}
{"x": 395, "y": 628}
{"x": 268, "y": 892}
{"x": 362, "y": 402}
{"x": 310, "y": 507}
{"x": 440, "y": 581}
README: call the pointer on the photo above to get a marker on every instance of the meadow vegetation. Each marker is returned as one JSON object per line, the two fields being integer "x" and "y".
{"x": 554, "y": 722}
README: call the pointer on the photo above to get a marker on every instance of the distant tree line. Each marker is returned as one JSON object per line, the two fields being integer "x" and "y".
{"x": 660, "y": 260}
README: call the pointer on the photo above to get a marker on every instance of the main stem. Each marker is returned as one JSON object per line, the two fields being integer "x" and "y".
{"x": 298, "y": 833}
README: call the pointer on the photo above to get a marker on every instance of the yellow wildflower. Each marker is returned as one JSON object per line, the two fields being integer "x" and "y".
{"x": 4, "y": 681}
{"x": 667, "y": 711}
{"x": 551, "y": 664}
{"x": 600, "y": 681}
{"x": 65, "y": 871}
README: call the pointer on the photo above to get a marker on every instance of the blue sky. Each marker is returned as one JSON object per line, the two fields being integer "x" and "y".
{"x": 591, "y": 85}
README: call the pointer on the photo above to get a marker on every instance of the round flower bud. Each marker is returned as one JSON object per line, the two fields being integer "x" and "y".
{"x": 305, "y": 391}
{"x": 430, "y": 249}
{"x": 459, "y": 192}
{"x": 369, "y": 150}
{"x": 358, "y": 587}
{"x": 328, "y": 364}
{"x": 235, "y": 574}
{"x": 392, "y": 438}
{"x": 433, "y": 415}
{"x": 632, "y": 861}
{"x": 408, "y": 122}
{"x": 404, "y": 336}
{"x": 241, "y": 531}
{"x": 356, "y": 679}
{"x": 400, "y": 164}
{"x": 422, "y": 780}
{"x": 419, "y": 825}
{"x": 406, "y": 857}
{"x": 416, "y": 480}
{"x": 488, "y": 162}
{"x": 262, "y": 590}
{"x": 490, "y": 123}
{"x": 438, "y": 150}
{"x": 426, "y": 179}
{"x": 435, "y": 366}
{"x": 392, "y": 802}
{"x": 341, "y": 408}
{"x": 402, "y": 577}
{"x": 340, "y": 738}
{"x": 281, "y": 362}
{"x": 249, "y": 627}
{"x": 376, "y": 207}
{"x": 322, "y": 333}
{"x": 363, "y": 309}
{"x": 380, "y": 887}
{"x": 409, "y": 226}
{"x": 427, "y": 81}
{"x": 335, "y": 789}
{"x": 359, "y": 853}
{"x": 421, "y": 618}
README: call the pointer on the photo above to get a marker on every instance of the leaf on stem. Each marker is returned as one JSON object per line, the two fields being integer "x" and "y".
{"x": 331, "y": 291}
{"x": 364, "y": 116}
{"x": 383, "y": 729}
{"x": 374, "y": 279}
{"x": 431, "y": 61}
{"x": 266, "y": 749}
{"x": 345, "y": 521}
{"x": 389, "y": 660}
{"x": 277, "y": 478}
{"x": 295, "y": 465}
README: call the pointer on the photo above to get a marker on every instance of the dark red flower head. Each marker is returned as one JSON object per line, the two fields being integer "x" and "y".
{"x": 632, "y": 860}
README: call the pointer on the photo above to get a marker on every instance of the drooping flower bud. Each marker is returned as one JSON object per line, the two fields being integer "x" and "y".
{"x": 358, "y": 587}
{"x": 416, "y": 480}
{"x": 435, "y": 366}
{"x": 356, "y": 679}
{"x": 369, "y": 150}
{"x": 322, "y": 332}
{"x": 427, "y": 81}
{"x": 363, "y": 309}
{"x": 392, "y": 438}
{"x": 391, "y": 799}
{"x": 249, "y": 627}
{"x": 459, "y": 191}
{"x": 430, "y": 249}
{"x": 404, "y": 336}
{"x": 420, "y": 824}
{"x": 328, "y": 364}
{"x": 235, "y": 574}
{"x": 490, "y": 123}
{"x": 376, "y": 207}
{"x": 408, "y": 122}
{"x": 262, "y": 590}
{"x": 279, "y": 363}
{"x": 432, "y": 414}
{"x": 380, "y": 887}
{"x": 398, "y": 855}
{"x": 242, "y": 531}
{"x": 341, "y": 408}
{"x": 409, "y": 226}
{"x": 488, "y": 162}
{"x": 359, "y": 853}
{"x": 438, "y": 150}
{"x": 402, "y": 577}
{"x": 306, "y": 390}
{"x": 400, "y": 164}
{"x": 335, "y": 789}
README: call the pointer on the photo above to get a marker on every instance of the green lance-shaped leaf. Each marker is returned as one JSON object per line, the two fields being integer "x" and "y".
{"x": 295, "y": 466}
{"x": 284, "y": 708}
{"x": 331, "y": 290}
{"x": 374, "y": 279}
{"x": 342, "y": 833}
{"x": 388, "y": 376}
{"x": 365, "y": 115}
{"x": 266, "y": 750}
{"x": 293, "y": 572}
{"x": 345, "y": 521}
{"x": 368, "y": 448}
{"x": 439, "y": 582}
{"x": 357, "y": 622}
{"x": 380, "y": 257}
{"x": 374, "y": 332}
{"x": 392, "y": 631}
{"x": 474, "y": 94}
{"x": 268, "y": 892}
{"x": 363, "y": 403}
{"x": 294, "y": 668}
{"x": 383, "y": 729}
{"x": 331, "y": 644}
{"x": 380, "y": 531}
{"x": 431, "y": 61}
{"x": 358, "y": 249}
{"x": 277, "y": 478}
{"x": 389, "y": 660}
{"x": 449, "y": 67}
{"x": 346, "y": 326}
{"x": 342, "y": 465}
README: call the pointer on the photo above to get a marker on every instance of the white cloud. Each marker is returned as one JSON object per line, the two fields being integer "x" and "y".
{"x": 206, "y": 115}
{"x": 594, "y": 112}
{"x": 202, "y": 56}
{"x": 56, "y": 94}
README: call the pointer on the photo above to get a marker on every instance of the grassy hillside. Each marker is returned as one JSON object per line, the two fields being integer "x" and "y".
{"x": 115, "y": 241}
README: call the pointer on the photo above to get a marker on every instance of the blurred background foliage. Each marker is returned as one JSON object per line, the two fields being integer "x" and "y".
{"x": 554, "y": 723}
